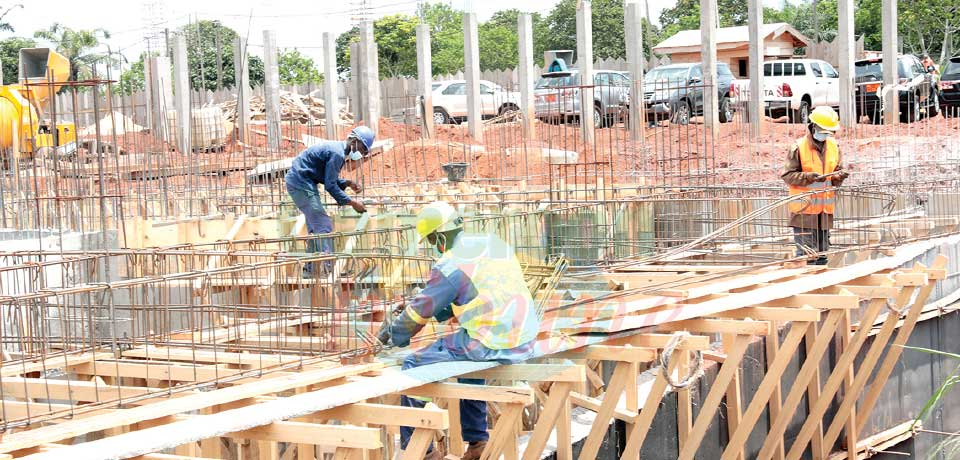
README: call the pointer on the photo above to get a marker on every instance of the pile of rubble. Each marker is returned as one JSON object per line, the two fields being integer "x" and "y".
{"x": 293, "y": 107}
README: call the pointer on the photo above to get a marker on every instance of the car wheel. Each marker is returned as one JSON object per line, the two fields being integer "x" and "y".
{"x": 440, "y": 116}
{"x": 682, "y": 115}
{"x": 934, "y": 107}
{"x": 726, "y": 112}
{"x": 876, "y": 117}
{"x": 506, "y": 108}
{"x": 802, "y": 114}
{"x": 912, "y": 113}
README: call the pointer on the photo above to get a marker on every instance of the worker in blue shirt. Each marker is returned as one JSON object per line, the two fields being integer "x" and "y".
{"x": 321, "y": 164}
{"x": 478, "y": 280}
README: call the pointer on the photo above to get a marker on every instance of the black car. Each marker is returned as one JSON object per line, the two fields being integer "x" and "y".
{"x": 675, "y": 91}
{"x": 950, "y": 88}
{"x": 919, "y": 94}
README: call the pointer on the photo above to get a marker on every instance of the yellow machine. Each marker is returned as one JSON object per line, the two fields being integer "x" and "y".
{"x": 21, "y": 105}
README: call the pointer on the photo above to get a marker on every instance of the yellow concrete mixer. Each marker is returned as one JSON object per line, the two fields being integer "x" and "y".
{"x": 42, "y": 73}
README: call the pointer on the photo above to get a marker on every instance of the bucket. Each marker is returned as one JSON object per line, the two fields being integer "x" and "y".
{"x": 455, "y": 171}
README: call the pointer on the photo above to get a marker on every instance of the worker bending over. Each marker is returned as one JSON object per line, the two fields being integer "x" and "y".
{"x": 321, "y": 164}
{"x": 814, "y": 164}
{"x": 479, "y": 281}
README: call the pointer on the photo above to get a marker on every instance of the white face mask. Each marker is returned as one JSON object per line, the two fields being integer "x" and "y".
{"x": 355, "y": 156}
{"x": 821, "y": 136}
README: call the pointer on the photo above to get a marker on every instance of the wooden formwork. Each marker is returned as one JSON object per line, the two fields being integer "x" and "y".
{"x": 350, "y": 411}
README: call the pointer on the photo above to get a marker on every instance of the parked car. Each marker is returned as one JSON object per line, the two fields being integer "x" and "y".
{"x": 794, "y": 87}
{"x": 450, "y": 100}
{"x": 950, "y": 88}
{"x": 918, "y": 88}
{"x": 557, "y": 96}
{"x": 675, "y": 92}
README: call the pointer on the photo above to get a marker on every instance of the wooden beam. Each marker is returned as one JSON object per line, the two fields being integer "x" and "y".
{"x": 418, "y": 444}
{"x": 718, "y": 326}
{"x": 533, "y": 373}
{"x": 486, "y": 393}
{"x": 650, "y": 340}
{"x": 619, "y": 380}
{"x": 637, "y": 432}
{"x": 381, "y": 414}
{"x": 819, "y": 301}
{"x": 353, "y": 437}
{"x": 869, "y": 292}
{"x": 734, "y": 408}
{"x": 594, "y": 404}
{"x": 773, "y": 314}
{"x": 43, "y": 365}
{"x": 548, "y": 418}
{"x": 610, "y": 353}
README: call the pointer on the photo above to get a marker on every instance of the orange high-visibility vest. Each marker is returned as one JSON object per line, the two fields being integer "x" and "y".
{"x": 810, "y": 162}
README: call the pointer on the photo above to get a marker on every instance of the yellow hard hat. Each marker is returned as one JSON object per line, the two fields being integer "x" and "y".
{"x": 438, "y": 216}
{"x": 826, "y": 118}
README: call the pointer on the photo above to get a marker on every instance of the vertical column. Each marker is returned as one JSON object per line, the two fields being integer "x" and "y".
{"x": 848, "y": 111}
{"x": 271, "y": 88}
{"x": 755, "y": 71}
{"x": 370, "y": 76}
{"x": 425, "y": 78}
{"x": 181, "y": 84}
{"x": 891, "y": 101}
{"x": 633, "y": 26}
{"x": 159, "y": 94}
{"x": 356, "y": 77}
{"x": 525, "y": 74}
{"x": 471, "y": 61}
{"x": 330, "y": 84}
{"x": 241, "y": 66}
{"x": 585, "y": 62}
{"x": 708, "y": 56}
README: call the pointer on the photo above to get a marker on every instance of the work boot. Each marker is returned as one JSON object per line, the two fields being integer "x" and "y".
{"x": 434, "y": 454}
{"x": 474, "y": 450}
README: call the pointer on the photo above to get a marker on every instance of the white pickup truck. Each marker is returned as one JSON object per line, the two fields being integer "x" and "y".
{"x": 793, "y": 87}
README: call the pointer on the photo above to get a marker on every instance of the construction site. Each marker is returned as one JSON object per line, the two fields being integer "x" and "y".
{"x": 153, "y": 304}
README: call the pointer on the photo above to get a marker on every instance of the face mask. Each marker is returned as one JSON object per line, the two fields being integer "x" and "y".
{"x": 821, "y": 136}
{"x": 441, "y": 243}
{"x": 355, "y": 156}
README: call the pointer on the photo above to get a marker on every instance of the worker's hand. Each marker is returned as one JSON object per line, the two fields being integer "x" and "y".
{"x": 384, "y": 335}
{"x": 841, "y": 174}
{"x": 811, "y": 177}
{"x": 355, "y": 187}
{"x": 358, "y": 206}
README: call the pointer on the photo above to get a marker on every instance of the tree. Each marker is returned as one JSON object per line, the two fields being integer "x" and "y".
{"x": 297, "y": 69}
{"x": 499, "y": 47}
{"x": 608, "y": 33}
{"x": 509, "y": 20}
{"x": 202, "y": 39}
{"x": 4, "y": 25}
{"x": 133, "y": 79}
{"x": 396, "y": 38}
{"x": 77, "y": 46}
{"x": 10, "y": 56}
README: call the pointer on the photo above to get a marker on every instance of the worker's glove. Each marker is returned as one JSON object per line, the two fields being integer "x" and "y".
{"x": 358, "y": 206}
{"x": 810, "y": 177}
{"x": 384, "y": 335}
{"x": 841, "y": 174}
{"x": 354, "y": 186}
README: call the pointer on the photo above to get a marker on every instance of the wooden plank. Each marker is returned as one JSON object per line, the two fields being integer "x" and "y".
{"x": 684, "y": 403}
{"x": 418, "y": 444}
{"x": 503, "y": 431}
{"x": 799, "y": 387}
{"x": 619, "y": 380}
{"x": 487, "y": 393}
{"x": 833, "y": 382}
{"x": 532, "y": 373}
{"x": 869, "y": 292}
{"x": 892, "y": 356}
{"x": 734, "y": 410}
{"x": 819, "y": 301}
{"x": 710, "y": 404}
{"x": 218, "y": 357}
{"x": 610, "y": 353}
{"x": 76, "y": 391}
{"x": 594, "y": 404}
{"x": 651, "y": 340}
{"x": 382, "y": 414}
{"x": 637, "y": 432}
{"x": 548, "y": 418}
{"x": 773, "y": 314}
{"x": 157, "y": 370}
{"x": 353, "y": 437}
{"x": 58, "y": 362}
{"x": 718, "y": 326}
{"x": 735, "y": 283}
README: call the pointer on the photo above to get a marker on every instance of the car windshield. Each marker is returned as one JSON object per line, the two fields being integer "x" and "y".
{"x": 666, "y": 74}
{"x": 553, "y": 81}
{"x": 952, "y": 69}
{"x": 435, "y": 86}
{"x": 866, "y": 69}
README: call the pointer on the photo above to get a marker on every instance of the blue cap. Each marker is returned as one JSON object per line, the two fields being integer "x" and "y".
{"x": 365, "y": 135}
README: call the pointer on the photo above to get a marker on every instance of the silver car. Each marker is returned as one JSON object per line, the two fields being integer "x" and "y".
{"x": 557, "y": 96}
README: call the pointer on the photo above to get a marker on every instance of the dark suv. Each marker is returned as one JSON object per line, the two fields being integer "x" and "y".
{"x": 917, "y": 87}
{"x": 950, "y": 88}
{"x": 675, "y": 91}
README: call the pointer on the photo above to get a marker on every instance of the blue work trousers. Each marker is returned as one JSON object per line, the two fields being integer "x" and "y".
{"x": 307, "y": 199}
{"x": 812, "y": 239}
{"x": 459, "y": 346}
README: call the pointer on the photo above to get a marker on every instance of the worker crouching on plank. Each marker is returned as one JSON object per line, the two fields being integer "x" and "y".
{"x": 321, "y": 164}
{"x": 479, "y": 281}
{"x": 814, "y": 164}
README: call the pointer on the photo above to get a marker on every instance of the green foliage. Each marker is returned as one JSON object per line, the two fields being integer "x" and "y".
{"x": 297, "y": 69}
{"x": 133, "y": 79}
{"x": 202, "y": 42}
{"x": 607, "y": 18}
{"x": 4, "y": 25}
{"x": 499, "y": 47}
{"x": 76, "y": 46}
{"x": 396, "y": 38}
{"x": 950, "y": 446}
{"x": 10, "y": 56}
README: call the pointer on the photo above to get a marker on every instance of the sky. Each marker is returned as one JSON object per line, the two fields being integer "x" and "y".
{"x": 298, "y": 23}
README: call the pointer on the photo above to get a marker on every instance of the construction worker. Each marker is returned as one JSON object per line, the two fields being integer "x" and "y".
{"x": 814, "y": 164}
{"x": 478, "y": 280}
{"x": 321, "y": 164}
{"x": 929, "y": 65}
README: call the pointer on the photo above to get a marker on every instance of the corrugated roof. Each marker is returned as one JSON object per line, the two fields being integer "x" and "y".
{"x": 740, "y": 34}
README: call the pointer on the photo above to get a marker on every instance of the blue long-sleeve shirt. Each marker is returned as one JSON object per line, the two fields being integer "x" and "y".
{"x": 321, "y": 163}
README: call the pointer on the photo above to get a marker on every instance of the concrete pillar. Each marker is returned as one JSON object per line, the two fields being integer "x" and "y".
{"x": 181, "y": 86}
{"x": 525, "y": 75}
{"x": 370, "y": 77}
{"x": 755, "y": 71}
{"x": 585, "y": 63}
{"x": 890, "y": 75}
{"x": 846, "y": 56}
{"x": 708, "y": 34}
{"x": 425, "y": 79}
{"x": 271, "y": 88}
{"x": 241, "y": 67}
{"x": 330, "y": 84}
{"x": 633, "y": 26}
{"x": 356, "y": 76}
{"x": 159, "y": 91}
{"x": 471, "y": 62}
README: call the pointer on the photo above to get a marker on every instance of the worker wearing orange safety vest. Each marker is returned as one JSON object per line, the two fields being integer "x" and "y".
{"x": 814, "y": 164}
